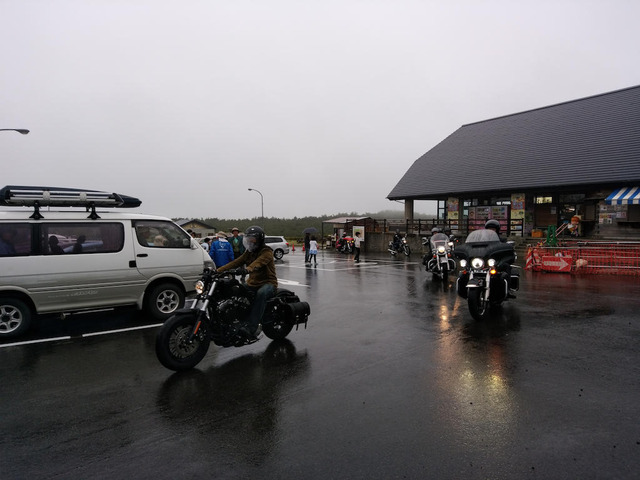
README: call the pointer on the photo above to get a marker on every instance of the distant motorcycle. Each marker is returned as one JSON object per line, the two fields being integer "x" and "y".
{"x": 400, "y": 246}
{"x": 218, "y": 314}
{"x": 486, "y": 278}
{"x": 439, "y": 260}
{"x": 345, "y": 244}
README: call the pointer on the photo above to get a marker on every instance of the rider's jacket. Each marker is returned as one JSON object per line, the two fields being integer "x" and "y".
{"x": 260, "y": 265}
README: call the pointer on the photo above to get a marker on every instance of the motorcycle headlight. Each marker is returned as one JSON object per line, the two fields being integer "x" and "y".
{"x": 451, "y": 244}
{"x": 463, "y": 263}
{"x": 199, "y": 287}
{"x": 441, "y": 249}
{"x": 477, "y": 263}
{"x": 491, "y": 262}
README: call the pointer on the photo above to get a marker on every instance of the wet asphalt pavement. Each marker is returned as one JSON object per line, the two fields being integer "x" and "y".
{"x": 392, "y": 379}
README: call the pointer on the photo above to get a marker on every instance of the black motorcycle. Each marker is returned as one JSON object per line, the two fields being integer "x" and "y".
{"x": 439, "y": 260}
{"x": 217, "y": 315}
{"x": 486, "y": 279}
{"x": 399, "y": 246}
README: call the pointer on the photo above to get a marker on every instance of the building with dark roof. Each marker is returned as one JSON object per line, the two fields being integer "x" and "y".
{"x": 575, "y": 160}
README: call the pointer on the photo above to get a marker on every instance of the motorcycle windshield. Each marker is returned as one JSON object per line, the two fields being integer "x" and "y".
{"x": 439, "y": 239}
{"x": 482, "y": 236}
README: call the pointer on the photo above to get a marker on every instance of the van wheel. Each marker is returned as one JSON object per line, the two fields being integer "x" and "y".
{"x": 15, "y": 317}
{"x": 279, "y": 253}
{"x": 163, "y": 300}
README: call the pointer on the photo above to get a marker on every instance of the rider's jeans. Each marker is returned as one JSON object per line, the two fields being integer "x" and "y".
{"x": 264, "y": 293}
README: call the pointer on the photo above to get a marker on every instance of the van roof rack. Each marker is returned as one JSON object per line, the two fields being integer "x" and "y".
{"x": 36, "y": 197}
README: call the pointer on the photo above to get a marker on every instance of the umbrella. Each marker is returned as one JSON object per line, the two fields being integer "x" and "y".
{"x": 309, "y": 230}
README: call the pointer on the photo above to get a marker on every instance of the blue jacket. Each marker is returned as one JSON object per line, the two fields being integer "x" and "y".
{"x": 221, "y": 252}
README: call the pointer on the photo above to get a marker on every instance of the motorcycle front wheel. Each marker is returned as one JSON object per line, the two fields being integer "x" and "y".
{"x": 173, "y": 347}
{"x": 444, "y": 273}
{"x": 478, "y": 307}
{"x": 407, "y": 250}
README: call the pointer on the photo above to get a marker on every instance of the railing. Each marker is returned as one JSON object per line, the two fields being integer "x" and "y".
{"x": 424, "y": 226}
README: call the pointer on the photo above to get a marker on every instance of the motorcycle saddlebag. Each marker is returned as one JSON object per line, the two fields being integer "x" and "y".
{"x": 298, "y": 312}
{"x": 295, "y": 311}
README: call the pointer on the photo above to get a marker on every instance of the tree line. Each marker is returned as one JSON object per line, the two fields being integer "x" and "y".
{"x": 292, "y": 228}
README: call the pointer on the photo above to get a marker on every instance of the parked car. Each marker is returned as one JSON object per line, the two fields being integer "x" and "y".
{"x": 66, "y": 260}
{"x": 278, "y": 244}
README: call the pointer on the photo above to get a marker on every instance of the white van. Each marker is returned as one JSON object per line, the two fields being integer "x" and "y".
{"x": 69, "y": 260}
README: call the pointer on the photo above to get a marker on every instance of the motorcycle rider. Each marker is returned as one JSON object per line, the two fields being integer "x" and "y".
{"x": 434, "y": 230}
{"x": 397, "y": 240}
{"x": 260, "y": 265}
{"x": 495, "y": 226}
{"x": 505, "y": 264}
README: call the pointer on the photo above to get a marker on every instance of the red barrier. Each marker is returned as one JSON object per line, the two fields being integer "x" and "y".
{"x": 596, "y": 258}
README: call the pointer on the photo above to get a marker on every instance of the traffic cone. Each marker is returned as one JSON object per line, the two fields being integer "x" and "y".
{"x": 293, "y": 247}
{"x": 537, "y": 263}
{"x": 529, "y": 262}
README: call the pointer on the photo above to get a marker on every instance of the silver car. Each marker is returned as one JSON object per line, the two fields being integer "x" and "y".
{"x": 278, "y": 244}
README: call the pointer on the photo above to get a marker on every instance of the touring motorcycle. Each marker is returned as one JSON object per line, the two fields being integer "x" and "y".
{"x": 439, "y": 261}
{"x": 217, "y": 315}
{"x": 486, "y": 277}
{"x": 401, "y": 246}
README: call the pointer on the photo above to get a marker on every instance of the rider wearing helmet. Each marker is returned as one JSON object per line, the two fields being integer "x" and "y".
{"x": 434, "y": 230}
{"x": 494, "y": 225}
{"x": 504, "y": 264}
{"x": 258, "y": 261}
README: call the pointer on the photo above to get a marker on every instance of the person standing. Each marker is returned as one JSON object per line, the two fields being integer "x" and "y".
{"x": 221, "y": 251}
{"x": 307, "y": 243}
{"x": 236, "y": 242}
{"x": 357, "y": 241}
{"x": 313, "y": 251}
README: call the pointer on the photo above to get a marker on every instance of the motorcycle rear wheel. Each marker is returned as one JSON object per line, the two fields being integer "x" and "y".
{"x": 275, "y": 326}
{"x": 173, "y": 348}
{"x": 478, "y": 307}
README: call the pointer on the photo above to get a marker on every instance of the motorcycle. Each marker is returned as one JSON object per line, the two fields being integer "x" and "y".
{"x": 217, "y": 315}
{"x": 400, "y": 247}
{"x": 439, "y": 262}
{"x": 345, "y": 245}
{"x": 486, "y": 279}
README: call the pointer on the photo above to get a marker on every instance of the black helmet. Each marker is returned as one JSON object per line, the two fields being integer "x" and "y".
{"x": 435, "y": 230}
{"x": 253, "y": 238}
{"x": 493, "y": 225}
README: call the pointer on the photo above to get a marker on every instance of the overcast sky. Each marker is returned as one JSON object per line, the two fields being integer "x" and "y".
{"x": 320, "y": 105}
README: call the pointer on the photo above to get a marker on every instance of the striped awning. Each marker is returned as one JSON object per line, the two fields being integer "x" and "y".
{"x": 624, "y": 196}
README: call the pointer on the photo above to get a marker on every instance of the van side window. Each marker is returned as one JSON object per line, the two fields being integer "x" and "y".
{"x": 161, "y": 234}
{"x": 15, "y": 239}
{"x": 79, "y": 238}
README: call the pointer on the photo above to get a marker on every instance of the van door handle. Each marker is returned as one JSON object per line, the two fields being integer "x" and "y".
{"x": 142, "y": 255}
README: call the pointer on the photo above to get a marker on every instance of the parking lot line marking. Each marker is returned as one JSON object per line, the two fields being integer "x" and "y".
{"x": 43, "y": 340}
{"x": 131, "y": 329}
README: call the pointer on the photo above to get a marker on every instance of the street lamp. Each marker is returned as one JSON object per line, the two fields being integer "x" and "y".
{"x": 261, "y": 200}
{"x": 23, "y": 131}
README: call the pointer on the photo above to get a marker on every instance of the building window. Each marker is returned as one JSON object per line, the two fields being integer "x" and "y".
{"x": 543, "y": 200}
